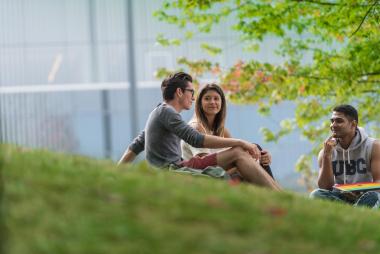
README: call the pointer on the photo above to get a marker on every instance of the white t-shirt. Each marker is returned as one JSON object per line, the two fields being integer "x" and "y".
{"x": 189, "y": 151}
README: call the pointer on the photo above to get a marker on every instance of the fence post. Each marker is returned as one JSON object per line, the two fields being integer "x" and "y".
{"x": 131, "y": 69}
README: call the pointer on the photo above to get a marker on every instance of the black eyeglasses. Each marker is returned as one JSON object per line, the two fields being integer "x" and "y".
{"x": 190, "y": 90}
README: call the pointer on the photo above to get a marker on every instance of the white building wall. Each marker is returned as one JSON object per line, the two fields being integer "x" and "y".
{"x": 48, "y": 42}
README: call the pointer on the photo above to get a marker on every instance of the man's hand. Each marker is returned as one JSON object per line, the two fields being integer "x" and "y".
{"x": 127, "y": 157}
{"x": 252, "y": 149}
{"x": 200, "y": 155}
{"x": 328, "y": 145}
{"x": 352, "y": 196}
{"x": 266, "y": 158}
{"x": 326, "y": 175}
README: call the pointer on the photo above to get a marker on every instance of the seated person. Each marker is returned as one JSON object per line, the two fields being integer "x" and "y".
{"x": 348, "y": 156}
{"x": 165, "y": 129}
{"x": 209, "y": 118}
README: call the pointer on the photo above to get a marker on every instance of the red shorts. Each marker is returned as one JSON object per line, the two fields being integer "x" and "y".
{"x": 200, "y": 162}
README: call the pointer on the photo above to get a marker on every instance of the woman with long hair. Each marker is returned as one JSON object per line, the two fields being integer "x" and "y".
{"x": 209, "y": 118}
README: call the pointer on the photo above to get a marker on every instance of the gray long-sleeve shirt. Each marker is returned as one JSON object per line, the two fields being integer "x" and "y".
{"x": 162, "y": 136}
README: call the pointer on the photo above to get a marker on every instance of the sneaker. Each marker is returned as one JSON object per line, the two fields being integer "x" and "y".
{"x": 369, "y": 199}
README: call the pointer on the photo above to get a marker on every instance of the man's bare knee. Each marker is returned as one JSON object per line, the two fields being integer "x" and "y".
{"x": 230, "y": 157}
{"x": 237, "y": 151}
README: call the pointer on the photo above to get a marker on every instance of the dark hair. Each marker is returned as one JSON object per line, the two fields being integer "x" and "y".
{"x": 218, "y": 126}
{"x": 174, "y": 81}
{"x": 348, "y": 111}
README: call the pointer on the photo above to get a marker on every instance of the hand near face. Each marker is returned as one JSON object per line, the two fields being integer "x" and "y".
{"x": 329, "y": 144}
{"x": 266, "y": 158}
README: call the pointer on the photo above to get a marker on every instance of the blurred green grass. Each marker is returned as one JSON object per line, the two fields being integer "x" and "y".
{"x": 55, "y": 203}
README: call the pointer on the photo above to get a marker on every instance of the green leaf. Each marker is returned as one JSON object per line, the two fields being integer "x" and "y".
{"x": 163, "y": 41}
{"x": 211, "y": 50}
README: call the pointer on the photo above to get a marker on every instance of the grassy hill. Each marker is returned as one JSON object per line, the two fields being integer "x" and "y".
{"x": 53, "y": 203}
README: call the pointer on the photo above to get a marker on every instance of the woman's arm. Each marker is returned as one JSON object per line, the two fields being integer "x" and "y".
{"x": 227, "y": 133}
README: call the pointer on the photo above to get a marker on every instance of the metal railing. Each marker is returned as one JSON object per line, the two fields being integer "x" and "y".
{"x": 55, "y": 116}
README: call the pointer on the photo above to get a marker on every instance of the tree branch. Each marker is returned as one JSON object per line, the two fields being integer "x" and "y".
{"x": 329, "y": 78}
{"x": 310, "y": 77}
{"x": 318, "y": 2}
{"x": 365, "y": 16}
{"x": 371, "y": 92}
{"x": 317, "y": 78}
{"x": 370, "y": 81}
{"x": 375, "y": 73}
{"x": 330, "y": 3}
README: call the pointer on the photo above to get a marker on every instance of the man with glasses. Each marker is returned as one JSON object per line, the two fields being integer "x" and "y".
{"x": 165, "y": 128}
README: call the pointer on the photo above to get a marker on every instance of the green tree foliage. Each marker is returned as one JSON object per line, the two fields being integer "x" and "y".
{"x": 341, "y": 39}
